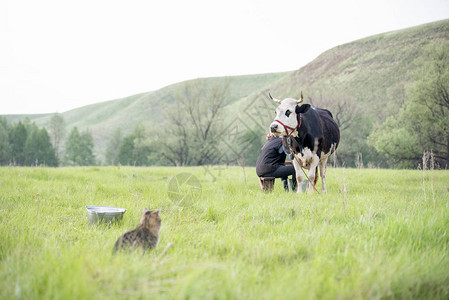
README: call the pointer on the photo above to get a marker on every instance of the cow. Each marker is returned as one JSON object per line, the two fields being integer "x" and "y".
{"x": 310, "y": 136}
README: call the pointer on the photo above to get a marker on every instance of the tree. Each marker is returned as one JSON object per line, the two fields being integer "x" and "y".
{"x": 5, "y": 148}
{"x": 57, "y": 131}
{"x": 17, "y": 138}
{"x": 125, "y": 156}
{"x": 345, "y": 111}
{"x": 134, "y": 150}
{"x": 251, "y": 142}
{"x": 141, "y": 150}
{"x": 79, "y": 148}
{"x": 38, "y": 148}
{"x": 87, "y": 148}
{"x": 191, "y": 123}
{"x": 72, "y": 149}
{"x": 396, "y": 142}
{"x": 423, "y": 122}
{"x": 113, "y": 148}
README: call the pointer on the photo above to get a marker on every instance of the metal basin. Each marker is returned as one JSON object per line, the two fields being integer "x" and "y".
{"x": 106, "y": 214}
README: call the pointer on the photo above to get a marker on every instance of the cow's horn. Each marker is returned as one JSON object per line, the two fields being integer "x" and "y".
{"x": 300, "y": 99}
{"x": 274, "y": 99}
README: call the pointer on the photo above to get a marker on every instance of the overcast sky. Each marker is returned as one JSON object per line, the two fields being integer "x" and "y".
{"x": 57, "y": 55}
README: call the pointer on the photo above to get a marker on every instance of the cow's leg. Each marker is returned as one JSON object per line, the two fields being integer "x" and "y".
{"x": 323, "y": 175}
{"x": 312, "y": 173}
{"x": 299, "y": 177}
{"x": 316, "y": 176}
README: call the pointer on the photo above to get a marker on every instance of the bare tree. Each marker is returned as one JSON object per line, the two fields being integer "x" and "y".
{"x": 57, "y": 131}
{"x": 113, "y": 148}
{"x": 191, "y": 123}
{"x": 344, "y": 110}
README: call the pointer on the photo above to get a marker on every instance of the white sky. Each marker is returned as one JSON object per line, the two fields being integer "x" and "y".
{"x": 56, "y": 55}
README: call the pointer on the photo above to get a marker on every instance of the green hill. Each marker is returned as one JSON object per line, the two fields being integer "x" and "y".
{"x": 361, "y": 82}
{"x": 372, "y": 71}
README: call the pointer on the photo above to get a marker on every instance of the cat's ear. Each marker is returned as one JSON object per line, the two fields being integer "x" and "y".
{"x": 157, "y": 211}
{"x": 145, "y": 210}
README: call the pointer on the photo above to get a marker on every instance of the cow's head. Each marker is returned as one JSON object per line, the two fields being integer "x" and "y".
{"x": 287, "y": 120}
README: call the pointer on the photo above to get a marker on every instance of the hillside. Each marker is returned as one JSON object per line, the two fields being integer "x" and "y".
{"x": 372, "y": 71}
{"x": 17, "y": 118}
{"x": 361, "y": 82}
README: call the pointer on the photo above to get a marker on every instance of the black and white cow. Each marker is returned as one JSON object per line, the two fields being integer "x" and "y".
{"x": 310, "y": 137}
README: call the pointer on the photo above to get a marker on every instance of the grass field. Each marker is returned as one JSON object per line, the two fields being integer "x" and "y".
{"x": 376, "y": 234}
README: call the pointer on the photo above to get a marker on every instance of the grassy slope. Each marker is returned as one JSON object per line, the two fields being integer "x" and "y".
{"x": 387, "y": 239}
{"x": 372, "y": 71}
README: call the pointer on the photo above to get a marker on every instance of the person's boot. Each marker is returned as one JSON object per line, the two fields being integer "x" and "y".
{"x": 285, "y": 184}
{"x": 294, "y": 184}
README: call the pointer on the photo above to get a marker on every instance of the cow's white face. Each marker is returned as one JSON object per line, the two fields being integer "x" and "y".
{"x": 286, "y": 115}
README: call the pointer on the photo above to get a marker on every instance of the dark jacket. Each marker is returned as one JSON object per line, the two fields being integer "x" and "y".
{"x": 269, "y": 158}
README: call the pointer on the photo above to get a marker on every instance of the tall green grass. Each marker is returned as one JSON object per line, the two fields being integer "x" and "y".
{"x": 385, "y": 237}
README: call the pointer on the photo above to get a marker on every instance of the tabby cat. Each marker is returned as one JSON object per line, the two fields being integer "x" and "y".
{"x": 146, "y": 234}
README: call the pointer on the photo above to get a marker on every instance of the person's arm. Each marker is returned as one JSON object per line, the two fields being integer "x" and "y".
{"x": 282, "y": 149}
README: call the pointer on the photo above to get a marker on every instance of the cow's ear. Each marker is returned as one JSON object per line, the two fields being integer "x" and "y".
{"x": 302, "y": 109}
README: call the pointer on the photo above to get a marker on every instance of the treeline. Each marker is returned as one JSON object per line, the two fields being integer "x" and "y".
{"x": 192, "y": 135}
{"x": 25, "y": 144}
